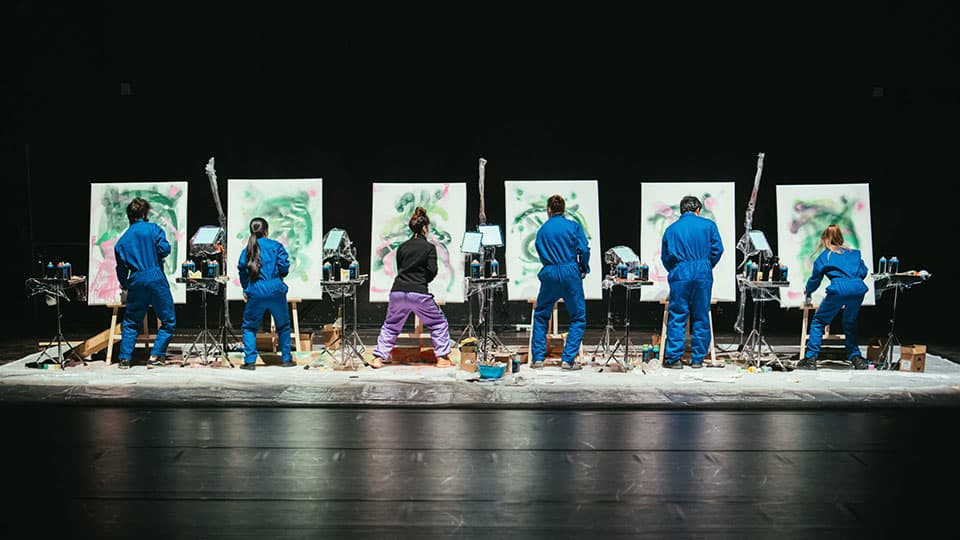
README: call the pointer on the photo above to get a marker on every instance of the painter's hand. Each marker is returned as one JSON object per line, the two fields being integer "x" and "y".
{"x": 123, "y": 296}
{"x": 808, "y": 300}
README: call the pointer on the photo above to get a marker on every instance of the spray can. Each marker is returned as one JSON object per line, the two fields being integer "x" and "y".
{"x": 213, "y": 269}
{"x": 622, "y": 271}
{"x": 60, "y": 270}
{"x": 185, "y": 269}
{"x": 50, "y": 271}
{"x": 894, "y": 265}
{"x": 882, "y": 265}
{"x": 354, "y": 269}
{"x": 475, "y": 269}
{"x": 494, "y": 267}
{"x": 326, "y": 271}
{"x": 67, "y": 270}
{"x": 515, "y": 363}
{"x": 644, "y": 272}
{"x": 783, "y": 272}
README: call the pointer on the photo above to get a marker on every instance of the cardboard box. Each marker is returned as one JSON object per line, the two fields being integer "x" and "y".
{"x": 468, "y": 356}
{"x": 873, "y": 351}
{"x": 913, "y": 358}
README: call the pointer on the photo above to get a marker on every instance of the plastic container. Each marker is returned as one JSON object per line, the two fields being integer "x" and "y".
{"x": 491, "y": 372}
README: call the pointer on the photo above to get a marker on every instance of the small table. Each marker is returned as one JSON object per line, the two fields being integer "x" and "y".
{"x": 761, "y": 292}
{"x": 885, "y": 282}
{"x": 351, "y": 348}
{"x": 628, "y": 286}
{"x": 57, "y": 288}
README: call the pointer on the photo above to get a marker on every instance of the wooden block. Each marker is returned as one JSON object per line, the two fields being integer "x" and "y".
{"x": 97, "y": 343}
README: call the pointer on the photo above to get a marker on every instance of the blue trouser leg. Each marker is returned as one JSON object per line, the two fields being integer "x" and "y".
{"x": 277, "y": 306}
{"x": 825, "y": 313}
{"x": 137, "y": 301}
{"x": 162, "y": 301}
{"x": 679, "y": 310}
{"x": 576, "y": 309}
{"x": 699, "y": 294}
{"x": 851, "y": 309}
{"x": 252, "y": 317}
{"x": 546, "y": 298}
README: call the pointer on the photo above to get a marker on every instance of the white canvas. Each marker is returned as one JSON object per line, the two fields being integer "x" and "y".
{"x": 660, "y": 207}
{"x": 293, "y": 209}
{"x": 803, "y": 212}
{"x": 526, "y": 211}
{"x": 393, "y": 204}
{"x": 108, "y": 221}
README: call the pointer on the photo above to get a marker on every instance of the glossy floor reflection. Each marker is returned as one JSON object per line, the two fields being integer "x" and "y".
{"x": 280, "y": 473}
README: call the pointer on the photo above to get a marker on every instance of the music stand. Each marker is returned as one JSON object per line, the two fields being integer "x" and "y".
{"x": 472, "y": 244}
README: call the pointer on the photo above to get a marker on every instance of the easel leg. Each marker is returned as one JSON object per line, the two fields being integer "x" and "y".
{"x": 296, "y": 324}
{"x": 113, "y": 329}
{"x": 713, "y": 343}
{"x": 804, "y": 326}
{"x": 663, "y": 329}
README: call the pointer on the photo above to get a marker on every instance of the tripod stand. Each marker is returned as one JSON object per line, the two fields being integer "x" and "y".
{"x": 754, "y": 345}
{"x": 606, "y": 345}
{"x": 625, "y": 340}
{"x": 56, "y": 288}
{"x": 469, "y": 331}
{"x": 485, "y": 288}
{"x": 882, "y": 282}
{"x": 351, "y": 347}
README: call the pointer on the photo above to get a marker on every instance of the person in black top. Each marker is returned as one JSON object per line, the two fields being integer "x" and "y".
{"x": 416, "y": 268}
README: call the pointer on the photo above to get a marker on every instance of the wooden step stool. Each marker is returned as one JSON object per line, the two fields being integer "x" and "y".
{"x": 663, "y": 333}
{"x": 808, "y": 311}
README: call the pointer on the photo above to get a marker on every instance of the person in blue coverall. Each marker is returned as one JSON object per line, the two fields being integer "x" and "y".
{"x": 263, "y": 265}
{"x": 565, "y": 255}
{"x": 691, "y": 247}
{"x": 846, "y": 270}
{"x": 139, "y": 253}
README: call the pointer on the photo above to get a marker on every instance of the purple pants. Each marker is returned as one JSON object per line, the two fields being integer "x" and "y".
{"x": 401, "y": 304}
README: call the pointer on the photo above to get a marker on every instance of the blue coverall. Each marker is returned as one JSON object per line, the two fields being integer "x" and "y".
{"x": 846, "y": 271}
{"x": 267, "y": 293}
{"x": 690, "y": 248}
{"x": 139, "y": 254}
{"x": 565, "y": 256}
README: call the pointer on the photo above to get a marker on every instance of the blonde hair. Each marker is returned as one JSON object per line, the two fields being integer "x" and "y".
{"x": 832, "y": 239}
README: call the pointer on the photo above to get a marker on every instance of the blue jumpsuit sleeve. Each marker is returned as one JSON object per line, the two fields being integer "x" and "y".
{"x": 583, "y": 250}
{"x": 666, "y": 256}
{"x": 243, "y": 270}
{"x": 163, "y": 247}
{"x": 283, "y": 261}
{"x": 431, "y": 263}
{"x": 716, "y": 245}
{"x": 862, "y": 270}
{"x": 539, "y": 244}
{"x": 123, "y": 271}
{"x": 816, "y": 277}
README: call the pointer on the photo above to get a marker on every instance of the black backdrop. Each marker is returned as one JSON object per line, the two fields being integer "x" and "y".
{"x": 374, "y": 92}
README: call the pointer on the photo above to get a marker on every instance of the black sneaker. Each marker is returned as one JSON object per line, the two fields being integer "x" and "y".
{"x": 288, "y": 363}
{"x": 124, "y": 364}
{"x": 696, "y": 365}
{"x": 672, "y": 365}
{"x": 249, "y": 367}
{"x": 570, "y": 366}
{"x": 156, "y": 363}
{"x": 536, "y": 364}
{"x": 860, "y": 362}
{"x": 809, "y": 362}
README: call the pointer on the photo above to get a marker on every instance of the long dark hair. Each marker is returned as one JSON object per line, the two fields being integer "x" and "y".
{"x": 418, "y": 220}
{"x": 258, "y": 229}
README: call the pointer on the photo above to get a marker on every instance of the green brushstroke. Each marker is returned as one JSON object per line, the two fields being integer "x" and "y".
{"x": 811, "y": 217}
{"x": 527, "y": 222}
{"x": 163, "y": 212}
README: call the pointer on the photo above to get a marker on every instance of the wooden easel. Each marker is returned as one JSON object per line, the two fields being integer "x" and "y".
{"x": 805, "y": 328}
{"x": 295, "y": 324}
{"x": 553, "y": 326}
{"x": 663, "y": 331}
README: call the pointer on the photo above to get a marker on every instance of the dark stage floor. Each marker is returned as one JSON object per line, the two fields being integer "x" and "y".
{"x": 322, "y": 473}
